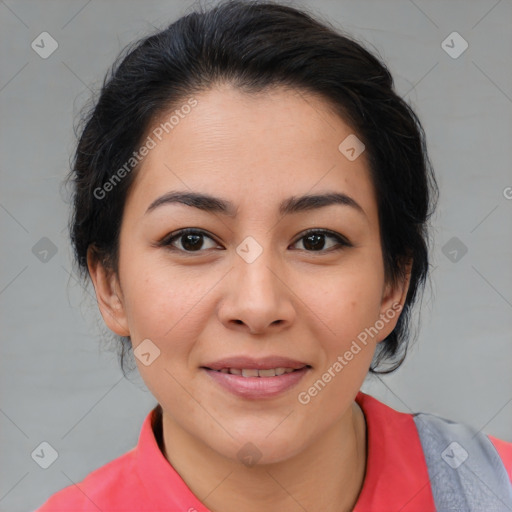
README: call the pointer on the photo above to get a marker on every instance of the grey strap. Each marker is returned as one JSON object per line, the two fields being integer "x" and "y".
{"x": 466, "y": 472}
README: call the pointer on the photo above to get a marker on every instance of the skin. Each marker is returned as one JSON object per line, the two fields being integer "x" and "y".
{"x": 255, "y": 151}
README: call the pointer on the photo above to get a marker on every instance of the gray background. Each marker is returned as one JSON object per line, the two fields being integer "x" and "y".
{"x": 59, "y": 384}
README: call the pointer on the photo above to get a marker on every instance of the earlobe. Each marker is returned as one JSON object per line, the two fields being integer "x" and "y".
{"x": 108, "y": 296}
{"x": 393, "y": 301}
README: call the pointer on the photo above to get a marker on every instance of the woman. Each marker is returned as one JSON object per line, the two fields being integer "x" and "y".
{"x": 251, "y": 205}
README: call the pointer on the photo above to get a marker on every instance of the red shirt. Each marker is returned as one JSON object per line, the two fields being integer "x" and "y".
{"x": 143, "y": 480}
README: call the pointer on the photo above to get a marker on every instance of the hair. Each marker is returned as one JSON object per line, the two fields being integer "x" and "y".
{"x": 256, "y": 46}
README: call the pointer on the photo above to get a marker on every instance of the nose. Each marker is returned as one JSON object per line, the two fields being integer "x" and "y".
{"x": 258, "y": 298}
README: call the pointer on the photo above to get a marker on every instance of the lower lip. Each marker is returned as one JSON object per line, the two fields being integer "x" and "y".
{"x": 257, "y": 387}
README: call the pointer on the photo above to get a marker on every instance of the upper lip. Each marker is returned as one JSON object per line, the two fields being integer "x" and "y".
{"x": 264, "y": 363}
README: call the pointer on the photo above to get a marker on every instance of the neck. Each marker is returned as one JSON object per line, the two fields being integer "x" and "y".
{"x": 328, "y": 475}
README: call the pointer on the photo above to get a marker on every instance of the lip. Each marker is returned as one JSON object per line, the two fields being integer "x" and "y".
{"x": 257, "y": 388}
{"x": 264, "y": 363}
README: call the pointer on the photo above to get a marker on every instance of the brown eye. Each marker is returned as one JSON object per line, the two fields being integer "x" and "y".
{"x": 191, "y": 242}
{"x": 188, "y": 240}
{"x": 315, "y": 241}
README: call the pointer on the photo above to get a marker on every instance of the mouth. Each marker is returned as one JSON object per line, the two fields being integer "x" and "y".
{"x": 257, "y": 383}
{"x": 254, "y": 372}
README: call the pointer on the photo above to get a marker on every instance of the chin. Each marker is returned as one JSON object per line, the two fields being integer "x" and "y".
{"x": 260, "y": 449}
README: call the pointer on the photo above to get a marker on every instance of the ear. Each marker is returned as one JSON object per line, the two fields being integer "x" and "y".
{"x": 108, "y": 294}
{"x": 393, "y": 300}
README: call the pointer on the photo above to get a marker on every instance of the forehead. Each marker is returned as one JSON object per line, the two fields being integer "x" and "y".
{"x": 259, "y": 146}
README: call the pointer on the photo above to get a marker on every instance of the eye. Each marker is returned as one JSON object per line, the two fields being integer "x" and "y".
{"x": 189, "y": 240}
{"x": 314, "y": 240}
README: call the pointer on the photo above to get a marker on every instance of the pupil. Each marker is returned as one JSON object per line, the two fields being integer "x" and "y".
{"x": 195, "y": 241}
{"x": 317, "y": 241}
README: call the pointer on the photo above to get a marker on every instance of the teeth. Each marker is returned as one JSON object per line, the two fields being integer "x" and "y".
{"x": 271, "y": 372}
{"x": 252, "y": 372}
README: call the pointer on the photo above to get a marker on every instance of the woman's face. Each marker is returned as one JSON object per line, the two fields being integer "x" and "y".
{"x": 250, "y": 282}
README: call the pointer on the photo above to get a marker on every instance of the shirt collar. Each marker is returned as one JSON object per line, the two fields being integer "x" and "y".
{"x": 163, "y": 484}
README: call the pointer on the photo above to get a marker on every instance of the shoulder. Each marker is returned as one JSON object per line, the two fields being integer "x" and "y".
{"x": 504, "y": 449}
{"x": 385, "y": 414}
{"x": 120, "y": 485}
{"x": 437, "y": 432}
{"x": 432, "y": 434}
{"x": 101, "y": 489}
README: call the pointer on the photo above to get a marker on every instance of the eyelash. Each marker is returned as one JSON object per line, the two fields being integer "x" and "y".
{"x": 167, "y": 241}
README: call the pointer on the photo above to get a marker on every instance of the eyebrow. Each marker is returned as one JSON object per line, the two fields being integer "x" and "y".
{"x": 291, "y": 205}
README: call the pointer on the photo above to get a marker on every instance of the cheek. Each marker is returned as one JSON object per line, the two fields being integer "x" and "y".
{"x": 347, "y": 300}
{"x": 162, "y": 301}
{"x": 168, "y": 307}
